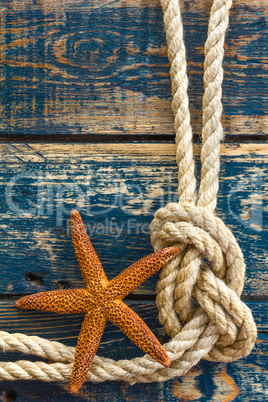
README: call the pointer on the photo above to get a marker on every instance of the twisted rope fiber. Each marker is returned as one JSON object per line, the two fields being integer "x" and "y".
{"x": 222, "y": 327}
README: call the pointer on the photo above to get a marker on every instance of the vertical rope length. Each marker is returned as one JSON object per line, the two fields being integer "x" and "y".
{"x": 212, "y": 132}
{"x": 190, "y": 222}
{"x": 211, "y": 136}
{"x": 222, "y": 328}
{"x": 180, "y": 100}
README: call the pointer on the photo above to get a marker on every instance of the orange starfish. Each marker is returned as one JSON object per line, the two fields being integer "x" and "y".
{"x": 102, "y": 301}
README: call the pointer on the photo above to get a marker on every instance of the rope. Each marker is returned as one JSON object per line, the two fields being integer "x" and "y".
{"x": 222, "y": 327}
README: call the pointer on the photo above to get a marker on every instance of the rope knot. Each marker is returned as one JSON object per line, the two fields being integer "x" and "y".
{"x": 189, "y": 280}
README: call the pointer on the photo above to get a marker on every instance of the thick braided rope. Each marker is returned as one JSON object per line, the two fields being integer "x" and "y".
{"x": 182, "y": 278}
{"x": 222, "y": 328}
{"x": 180, "y": 101}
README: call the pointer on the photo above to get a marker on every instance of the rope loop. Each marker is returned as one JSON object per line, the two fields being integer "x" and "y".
{"x": 187, "y": 280}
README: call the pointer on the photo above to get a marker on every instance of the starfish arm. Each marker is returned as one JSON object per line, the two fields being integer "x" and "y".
{"x": 87, "y": 345}
{"x": 136, "y": 274}
{"x": 137, "y": 331}
{"x": 57, "y": 301}
{"x": 88, "y": 260}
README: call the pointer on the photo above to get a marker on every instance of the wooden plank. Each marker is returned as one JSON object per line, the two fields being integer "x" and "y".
{"x": 118, "y": 188}
{"x": 114, "y": 344}
{"x": 101, "y": 68}
{"x": 246, "y": 378}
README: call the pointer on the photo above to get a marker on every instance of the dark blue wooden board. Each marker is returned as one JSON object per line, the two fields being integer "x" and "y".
{"x": 92, "y": 67}
{"x": 114, "y": 344}
{"x": 118, "y": 190}
{"x": 135, "y": 179}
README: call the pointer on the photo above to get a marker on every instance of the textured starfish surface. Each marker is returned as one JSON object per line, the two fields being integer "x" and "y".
{"x": 102, "y": 301}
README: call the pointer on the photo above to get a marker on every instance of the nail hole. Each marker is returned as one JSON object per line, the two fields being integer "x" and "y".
{"x": 9, "y": 396}
{"x": 36, "y": 279}
{"x": 63, "y": 285}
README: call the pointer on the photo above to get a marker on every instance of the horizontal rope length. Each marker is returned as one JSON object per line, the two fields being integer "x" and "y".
{"x": 222, "y": 328}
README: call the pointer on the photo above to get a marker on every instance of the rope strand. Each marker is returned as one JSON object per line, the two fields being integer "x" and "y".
{"x": 180, "y": 101}
{"x": 212, "y": 132}
{"x": 222, "y": 328}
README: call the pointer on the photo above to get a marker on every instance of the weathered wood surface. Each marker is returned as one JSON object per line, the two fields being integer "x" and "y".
{"x": 100, "y": 67}
{"x": 97, "y": 70}
{"x": 117, "y": 188}
{"x": 206, "y": 382}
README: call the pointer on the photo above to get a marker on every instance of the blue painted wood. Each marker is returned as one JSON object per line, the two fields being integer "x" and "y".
{"x": 92, "y": 67}
{"x": 130, "y": 175}
{"x": 118, "y": 194}
{"x": 114, "y": 344}
{"x": 62, "y": 64}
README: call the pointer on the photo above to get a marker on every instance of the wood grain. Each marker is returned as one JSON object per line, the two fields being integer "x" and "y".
{"x": 87, "y": 67}
{"x": 117, "y": 188}
{"x": 114, "y": 344}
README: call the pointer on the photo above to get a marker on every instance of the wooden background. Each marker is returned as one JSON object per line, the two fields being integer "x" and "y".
{"x": 86, "y": 122}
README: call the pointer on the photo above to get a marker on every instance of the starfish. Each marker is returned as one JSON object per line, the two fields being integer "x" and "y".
{"x": 101, "y": 301}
